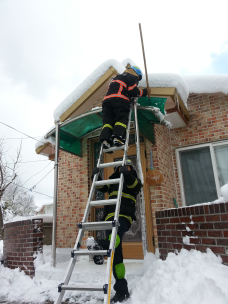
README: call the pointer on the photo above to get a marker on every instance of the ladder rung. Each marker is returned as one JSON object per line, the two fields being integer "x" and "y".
{"x": 91, "y": 252}
{"x": 107, "y": 182}
{"x": 75, "y": 287}
{"x": 114, "y": 149}
{"x": 92, "y": 226}
{"x": 114, "y": 164}
{"x": 103, "y": 202}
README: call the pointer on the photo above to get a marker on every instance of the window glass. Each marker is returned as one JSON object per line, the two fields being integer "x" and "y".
{"x": 221, "y": 155}
{"x": 198, "y": 177}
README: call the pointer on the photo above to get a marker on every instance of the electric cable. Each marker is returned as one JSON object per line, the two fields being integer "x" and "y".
{"x": 21, "y": 137}
{"x": 29, "y": 161}
{"x": 33, "y": 190}
{"x": 25, "y": 134}
{"x": 37, "y": 173}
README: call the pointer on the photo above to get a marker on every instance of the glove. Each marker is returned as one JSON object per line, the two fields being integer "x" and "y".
{"x": 98, "y": 259}
{"x": 95, "y": 171}
{"x": 124, "y": 170}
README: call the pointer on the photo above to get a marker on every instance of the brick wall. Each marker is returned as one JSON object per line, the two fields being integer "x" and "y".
{"x": 209, "y": 122}
{"x": 21, "y": 240}
{"x": 73, "y": 194}
{"x": 205, "y": 225}
{"x": 161, "y": 196}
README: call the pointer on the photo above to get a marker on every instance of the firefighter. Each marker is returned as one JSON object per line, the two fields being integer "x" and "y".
{"x": 131, "y": 187}
{"x": 116, "y": 106}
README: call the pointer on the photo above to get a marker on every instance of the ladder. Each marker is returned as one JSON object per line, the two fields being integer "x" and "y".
{"x": 106, "y": 225}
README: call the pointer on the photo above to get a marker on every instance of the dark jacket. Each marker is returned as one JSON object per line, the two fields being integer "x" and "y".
{"x": 124, "y": 86}
{"x": 131, "y": 187}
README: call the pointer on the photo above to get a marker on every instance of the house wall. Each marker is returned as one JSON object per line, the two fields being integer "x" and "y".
{"x": 206, "y": 226}
{"x": 73, "y": 193}
{"x": 209, "y": 122}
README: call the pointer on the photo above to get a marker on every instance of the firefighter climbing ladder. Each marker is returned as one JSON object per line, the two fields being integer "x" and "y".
{"x": 106, "y": 225}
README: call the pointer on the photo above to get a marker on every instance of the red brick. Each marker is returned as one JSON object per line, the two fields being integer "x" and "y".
{"x": 195, "y": 241}
{"x": 209, "y": 241}
{"x": 217, "y": 250}
{"x": 225, "y": 259}
{"x": 177, "y": 246}
{"x": 175, "y": 220}
{"x": 188, "y": 247}
{"x": 201, "y": 248}
{"x": 170, "y": 227}
{"x": 198, "y": 218}
{"x": 225, "y": 233}
{"x": 185, "y": 219}
{"x": 224, "y": 217}
{"x": 222, "y": 242}
{"x": 167, "y": 245}
{"x": 212, "y": 218}
{"x": 200, "y": 233}
{"x": 206, "y": 226}
{"x": 221, "y": 225}
{"x": 161, "y": 239}
{"x": 175, "y": 233}
{"x": 171, "y": 239}
{"x": 165, "y": 221}
{"x": 215, "y": 233}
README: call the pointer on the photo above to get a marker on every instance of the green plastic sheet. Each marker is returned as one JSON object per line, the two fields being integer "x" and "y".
{"x": 72, "y": 134}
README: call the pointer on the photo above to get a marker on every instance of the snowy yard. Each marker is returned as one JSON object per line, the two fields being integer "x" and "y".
{"x": 186, "y": 278}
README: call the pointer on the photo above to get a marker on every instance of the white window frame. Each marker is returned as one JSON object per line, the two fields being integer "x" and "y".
{"x": 213, "y": 160}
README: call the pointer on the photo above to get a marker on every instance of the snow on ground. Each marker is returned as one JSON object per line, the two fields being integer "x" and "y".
{"x": 186, "y": 278}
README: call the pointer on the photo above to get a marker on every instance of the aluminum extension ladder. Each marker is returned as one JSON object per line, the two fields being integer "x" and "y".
{"x": 106, "y": 225}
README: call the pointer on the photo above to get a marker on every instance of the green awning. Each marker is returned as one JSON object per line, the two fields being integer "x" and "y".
{"x": 73, "y": 131}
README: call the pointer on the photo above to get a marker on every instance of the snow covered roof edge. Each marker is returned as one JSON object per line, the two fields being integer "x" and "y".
{"x": 207, "y": 83}
{"x": 86, "y": 84}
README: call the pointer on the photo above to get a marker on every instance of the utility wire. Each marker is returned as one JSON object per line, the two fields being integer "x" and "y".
{"x": 40, "y": 180}
{"x": 33, "y": 190}
{"x": 37, "y": 173}
{"x": 30, "y": 161}
{"x": 25, "y": 134}
{"x": 21, "y": 137}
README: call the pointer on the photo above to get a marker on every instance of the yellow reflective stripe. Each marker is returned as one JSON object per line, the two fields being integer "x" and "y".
{"x": 107, "y": 126}
{"x": 124, "y": 195}
{"x": 135, "y": 183}
{"x": 99, "y": 187}
{"x": 120, "y": 124}
{"x": 129, "y": 196}
{"x": 113, "y": 214}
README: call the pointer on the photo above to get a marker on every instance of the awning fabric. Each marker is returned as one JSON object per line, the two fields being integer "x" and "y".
{"x": 72, "y": 134}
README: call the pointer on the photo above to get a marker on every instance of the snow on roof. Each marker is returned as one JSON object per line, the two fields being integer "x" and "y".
{"x": 86, "y": 84}
{"x": 38, "y": 209}
{"x": 42, "y": 140}
{"x": 127, "y": 61}
{"x": 47, "y": 218}
{"x": 167, "y": 80}
{"x": 207, "y": 83}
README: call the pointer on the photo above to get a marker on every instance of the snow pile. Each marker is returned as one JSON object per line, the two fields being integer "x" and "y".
{"x": 190, "y": 277}
{"x": 167, "y": 80}
{"x": 186, "y": 278}
{"x": 86, "y": 84}
{"x": 207, "y": 83}
{"x": 224, "y": 192}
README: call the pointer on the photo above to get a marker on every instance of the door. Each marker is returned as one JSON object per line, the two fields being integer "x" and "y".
{"x": 132, "y": 241}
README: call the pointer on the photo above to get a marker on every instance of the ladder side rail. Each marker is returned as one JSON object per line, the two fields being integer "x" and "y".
{"x": 72, "y": 262}
{"x": 116, "y": 219}
{"x": 142, "y": 199}
{"x": 92, "y": 190}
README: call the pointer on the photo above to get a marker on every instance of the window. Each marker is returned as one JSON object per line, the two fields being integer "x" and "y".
{"x": 202, "y": 171}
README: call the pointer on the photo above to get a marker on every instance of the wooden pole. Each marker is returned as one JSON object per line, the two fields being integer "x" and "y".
{"x": 144, "y": 58}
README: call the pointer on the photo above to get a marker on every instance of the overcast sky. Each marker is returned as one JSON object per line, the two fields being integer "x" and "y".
{"x": 47, "y": 48}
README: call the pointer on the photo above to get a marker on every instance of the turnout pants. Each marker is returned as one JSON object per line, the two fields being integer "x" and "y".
{"x": 115, "y": 118}
{"x": 118, "y": 267}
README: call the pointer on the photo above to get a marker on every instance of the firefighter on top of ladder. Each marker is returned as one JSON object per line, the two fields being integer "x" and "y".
{"x": 116, "y": 106}
{"x": 131, "y": 187}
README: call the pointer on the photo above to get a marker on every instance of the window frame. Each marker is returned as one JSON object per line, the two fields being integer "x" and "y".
{"x": 211, "y": 146}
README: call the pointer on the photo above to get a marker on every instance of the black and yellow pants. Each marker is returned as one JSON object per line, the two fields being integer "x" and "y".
{"x": 115, "y": 118}
{"x": 118, "y": 265}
